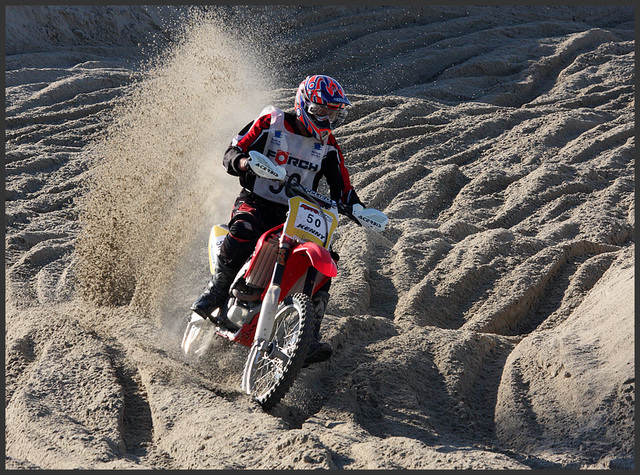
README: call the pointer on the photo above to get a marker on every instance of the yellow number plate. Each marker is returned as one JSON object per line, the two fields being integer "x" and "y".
{"x": 309, "y": 222}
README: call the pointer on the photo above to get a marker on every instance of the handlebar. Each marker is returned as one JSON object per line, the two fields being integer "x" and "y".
{"x": 262, "y": 166}
{"x": 321, "y": 200}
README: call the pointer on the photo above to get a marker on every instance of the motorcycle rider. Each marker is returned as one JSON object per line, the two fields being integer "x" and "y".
{"x": 306, "y": 147}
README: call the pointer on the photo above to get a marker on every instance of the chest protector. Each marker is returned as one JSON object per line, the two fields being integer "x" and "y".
{"x": 300, "y": 156}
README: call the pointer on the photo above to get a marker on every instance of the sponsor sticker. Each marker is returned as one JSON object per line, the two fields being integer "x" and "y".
{"x": 309, "y": 223}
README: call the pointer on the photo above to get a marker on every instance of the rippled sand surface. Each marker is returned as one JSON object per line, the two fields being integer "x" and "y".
{"x": 490, "y": 326}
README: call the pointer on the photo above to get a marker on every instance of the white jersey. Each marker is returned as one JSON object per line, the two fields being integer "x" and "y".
{"x": 300, "y": 156}
{"x": 274, "y": 133}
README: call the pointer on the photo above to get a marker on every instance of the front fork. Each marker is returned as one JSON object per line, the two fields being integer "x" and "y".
{"x": 267, "y": 316}
{"x": 271, "y": 299}
{"x": 266, "y": 319}
{"x": 264, "y": 326}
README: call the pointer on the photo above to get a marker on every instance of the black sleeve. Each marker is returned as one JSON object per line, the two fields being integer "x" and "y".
{"x": 233, "y": 154}
{"x": 332, "y": 172}
{"x": 231, "y": 159}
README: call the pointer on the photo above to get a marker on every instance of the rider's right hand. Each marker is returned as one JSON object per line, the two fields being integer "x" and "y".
{"x": 243, "y": 164}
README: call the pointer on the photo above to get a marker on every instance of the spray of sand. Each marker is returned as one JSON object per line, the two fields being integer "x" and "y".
{"x": 158, "y": 183}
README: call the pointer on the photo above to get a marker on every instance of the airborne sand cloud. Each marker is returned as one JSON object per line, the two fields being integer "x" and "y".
{"x": 491, "y": 325}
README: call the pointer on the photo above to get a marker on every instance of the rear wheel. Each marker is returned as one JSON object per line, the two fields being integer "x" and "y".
{"x": 273, "y": 365}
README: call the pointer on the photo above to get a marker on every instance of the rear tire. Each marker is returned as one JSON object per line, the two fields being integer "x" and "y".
{"x": 273, "y": 366}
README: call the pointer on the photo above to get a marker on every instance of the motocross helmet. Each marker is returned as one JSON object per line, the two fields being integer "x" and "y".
{"x": 320, "y": 105}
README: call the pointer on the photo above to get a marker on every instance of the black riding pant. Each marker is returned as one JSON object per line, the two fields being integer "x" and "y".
{"x": 250, "y": 218}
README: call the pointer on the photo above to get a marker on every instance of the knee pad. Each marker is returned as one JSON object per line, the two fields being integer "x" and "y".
{"x": 240, "y": 242}
{"x": 245, "y": 227}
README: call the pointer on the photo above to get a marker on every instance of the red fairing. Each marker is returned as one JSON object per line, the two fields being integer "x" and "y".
{"x": 301, "y": 258}
{"x": 320, "y": 259}
{"x": 246, "y": 333}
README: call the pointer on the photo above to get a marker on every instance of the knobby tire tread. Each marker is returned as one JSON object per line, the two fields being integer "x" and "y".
{"x": 294, "y": 365}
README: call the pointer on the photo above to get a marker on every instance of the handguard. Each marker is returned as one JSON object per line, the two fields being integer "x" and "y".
{"x": 372, "y": 219}
{"x": 265, "y": 168}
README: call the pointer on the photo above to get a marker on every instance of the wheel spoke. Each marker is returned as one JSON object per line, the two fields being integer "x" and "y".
{"x": 274, "y": 367}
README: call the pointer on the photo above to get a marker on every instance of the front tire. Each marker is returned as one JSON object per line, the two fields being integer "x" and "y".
{"x": 273, "y": 365}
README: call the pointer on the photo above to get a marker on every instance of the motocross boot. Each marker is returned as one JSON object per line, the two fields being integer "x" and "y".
{"x": 318, "y": 351}
{"x": 216, "y": 292}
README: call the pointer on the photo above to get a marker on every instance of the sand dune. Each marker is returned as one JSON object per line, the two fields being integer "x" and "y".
{"x": 490, "y": 326}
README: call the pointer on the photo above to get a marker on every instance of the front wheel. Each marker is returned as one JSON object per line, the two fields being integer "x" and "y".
{"x": 273, "y": 365}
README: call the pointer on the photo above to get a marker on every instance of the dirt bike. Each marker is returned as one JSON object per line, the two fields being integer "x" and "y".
{"x": 269, "y": 307}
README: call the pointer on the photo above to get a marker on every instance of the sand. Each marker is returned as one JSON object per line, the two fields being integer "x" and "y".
{"x": 490, "y": 326}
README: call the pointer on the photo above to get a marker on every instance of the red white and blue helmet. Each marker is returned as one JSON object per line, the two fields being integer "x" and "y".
{"x": 320, "y": 105}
